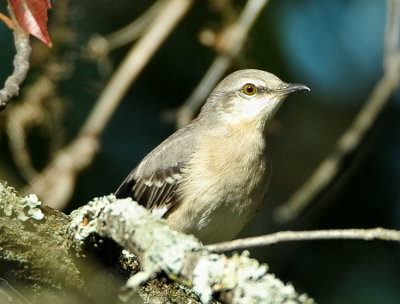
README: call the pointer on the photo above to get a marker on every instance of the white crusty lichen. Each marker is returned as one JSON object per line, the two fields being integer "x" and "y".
{"x": 25, "y": 208}
{"x": 8, "y": 199}
{"x": 32, "y": 203}
{"x": 208, "y": 272}
{"x": 245, "y": 277}
{"x": 181, "y": 257}
{"x": 81, "y": 225}
{"x": 127, "y": 221}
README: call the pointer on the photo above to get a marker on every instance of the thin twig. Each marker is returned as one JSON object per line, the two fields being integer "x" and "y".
{"x": 25, "y": 115}
{"x": 392, "y": 32}
{"x": 133, "y": 64}
{"x": 133, "y": 30}
{"x": 56, "y": 182}
{"x": 21, "y": 64}
{"x": 230, "y": 44}
{"x": 289, "y": 236}
{"x": 7, "y": 21}
{"x": 40, "y": 108}
{"x": 333, "y": 165}
{"x": 99, "y": 46}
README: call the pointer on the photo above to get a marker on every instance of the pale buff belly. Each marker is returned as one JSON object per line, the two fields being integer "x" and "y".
{"x": 220, "y": 192}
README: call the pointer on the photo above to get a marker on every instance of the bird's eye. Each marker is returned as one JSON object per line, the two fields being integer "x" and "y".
{"x": 249, "y": 89}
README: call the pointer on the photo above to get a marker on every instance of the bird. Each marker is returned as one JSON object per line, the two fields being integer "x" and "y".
{"x": 210, "y": 177}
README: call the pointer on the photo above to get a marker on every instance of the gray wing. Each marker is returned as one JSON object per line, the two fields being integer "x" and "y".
{"x": 154, "y": 181}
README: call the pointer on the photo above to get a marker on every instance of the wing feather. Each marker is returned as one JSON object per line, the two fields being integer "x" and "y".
{"x": 154, "y": 192}
{"x": 154, "y": 182}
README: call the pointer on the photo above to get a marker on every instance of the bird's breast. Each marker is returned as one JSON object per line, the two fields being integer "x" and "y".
{"x": 223, "y": 185}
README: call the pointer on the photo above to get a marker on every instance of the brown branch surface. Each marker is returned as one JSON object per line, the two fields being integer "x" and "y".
{"x": 40, "y": 263}
{"x": 34, "y": 249}
{"x": 49, "y": 257}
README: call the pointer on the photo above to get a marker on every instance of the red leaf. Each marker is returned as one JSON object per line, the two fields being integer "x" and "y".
{"x": 32, "y": 17}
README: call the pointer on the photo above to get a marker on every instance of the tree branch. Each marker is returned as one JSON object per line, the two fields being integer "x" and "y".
{"x": 238, "y": 279}
{"x": 86, "y": 262}
{"x": 28, "y": 232}
{"x": 229, "y": 45}
{"x": 99, "y": 46}
{"x": 21, "y": 65}
{"x": 352, "y": 138}
{"x": 288, "y": 236}
{"x": 134, "y": 62}
{"x": 55, "y": 184}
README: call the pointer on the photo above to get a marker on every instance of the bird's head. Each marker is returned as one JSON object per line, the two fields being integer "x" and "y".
{"x": 249, "y": 96}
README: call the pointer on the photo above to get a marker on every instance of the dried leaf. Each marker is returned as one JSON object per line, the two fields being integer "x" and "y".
{"x": 32, "y": 17}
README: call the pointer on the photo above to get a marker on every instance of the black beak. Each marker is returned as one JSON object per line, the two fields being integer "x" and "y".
{"x": 289, "y": 88}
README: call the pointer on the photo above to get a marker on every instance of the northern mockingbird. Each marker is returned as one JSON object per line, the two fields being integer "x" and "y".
{"x": 210, "y": 177}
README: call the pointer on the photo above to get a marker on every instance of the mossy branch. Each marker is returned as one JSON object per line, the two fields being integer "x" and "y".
{"x": 88, "y": 256}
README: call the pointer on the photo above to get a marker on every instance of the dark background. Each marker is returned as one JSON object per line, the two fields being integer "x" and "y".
{"x": 333, "y": 46}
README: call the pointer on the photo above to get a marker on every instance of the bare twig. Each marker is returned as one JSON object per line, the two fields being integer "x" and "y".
{"x": 133, "y": 30}
{"x": 55, "y": 184}
{"x": 23, "y": 116}
{"x": 289, "y": 236}
{"x": 127, "y": 34}
{"x": 230, "y": 44}
{"x": 57, "y": 181}
{"x": 40, "y": 107}
{"x": 392, "y": 32}
{"x": 21, "y": 65}
{"x": 7, "y": 21}
{"x": 99, "y": 47}
{"x": 133, "y": 64}
{"x": 332, "y": 166}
